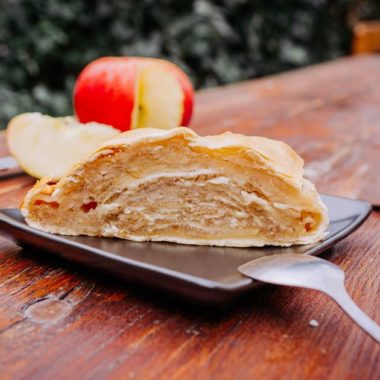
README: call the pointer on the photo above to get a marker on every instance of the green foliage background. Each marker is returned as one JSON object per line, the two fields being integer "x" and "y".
{"x": 45, "y": 43}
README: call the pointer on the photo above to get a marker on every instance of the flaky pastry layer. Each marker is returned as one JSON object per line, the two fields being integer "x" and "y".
{"x": 150, "y": 184}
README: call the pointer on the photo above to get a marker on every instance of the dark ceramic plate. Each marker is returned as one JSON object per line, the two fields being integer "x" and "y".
{"x": 203, "y": 274}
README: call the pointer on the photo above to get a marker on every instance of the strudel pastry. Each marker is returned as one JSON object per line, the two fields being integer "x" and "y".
{"x": 175, "y": 186}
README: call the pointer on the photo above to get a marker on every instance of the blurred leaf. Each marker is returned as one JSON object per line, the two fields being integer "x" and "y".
{"x": 45, "y": 43}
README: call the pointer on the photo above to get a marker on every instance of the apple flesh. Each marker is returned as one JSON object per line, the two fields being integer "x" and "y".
{"x": 131, "y": 92}
{"x": 44, "y": 145}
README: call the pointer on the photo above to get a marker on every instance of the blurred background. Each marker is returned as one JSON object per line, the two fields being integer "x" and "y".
{"x": 45, "y": 43}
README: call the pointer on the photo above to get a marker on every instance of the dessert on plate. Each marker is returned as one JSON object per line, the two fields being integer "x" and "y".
{"x": 173, "y": 185}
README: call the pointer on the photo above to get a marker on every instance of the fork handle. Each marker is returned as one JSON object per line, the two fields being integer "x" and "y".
{"x": 342, "y": 298}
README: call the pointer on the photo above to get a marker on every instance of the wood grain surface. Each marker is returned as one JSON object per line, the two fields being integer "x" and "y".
{"x": 61, "y": 321}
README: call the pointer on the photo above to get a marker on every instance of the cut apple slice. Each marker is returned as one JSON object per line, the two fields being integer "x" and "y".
{"x": 160, "y": 99}
{"x": 165, "y": 95}
{"x": 45, "y": 145}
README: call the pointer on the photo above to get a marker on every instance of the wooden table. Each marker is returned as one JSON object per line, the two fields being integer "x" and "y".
{"x": 64, "y": 322}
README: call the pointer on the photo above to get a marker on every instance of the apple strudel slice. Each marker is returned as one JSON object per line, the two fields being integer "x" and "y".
{"x": 175, "y": 186}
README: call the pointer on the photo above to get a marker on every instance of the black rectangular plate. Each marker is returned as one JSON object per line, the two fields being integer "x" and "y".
{"x": 200, "y": 273}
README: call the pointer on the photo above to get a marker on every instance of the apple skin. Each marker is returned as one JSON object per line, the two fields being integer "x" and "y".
{"x": 106, "y": 91}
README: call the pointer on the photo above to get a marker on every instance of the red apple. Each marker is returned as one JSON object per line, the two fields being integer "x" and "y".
{"x": 132, "y": 92}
